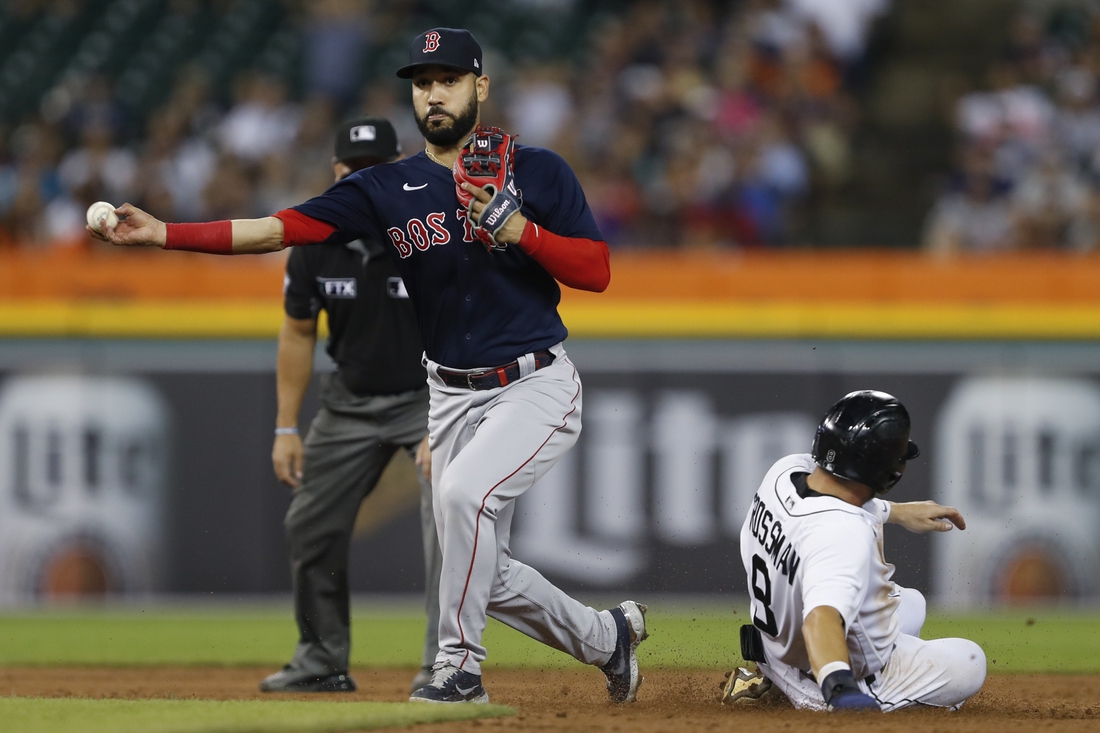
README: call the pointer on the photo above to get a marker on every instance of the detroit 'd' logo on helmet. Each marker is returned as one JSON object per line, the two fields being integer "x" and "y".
{"x": 431, "y": 42}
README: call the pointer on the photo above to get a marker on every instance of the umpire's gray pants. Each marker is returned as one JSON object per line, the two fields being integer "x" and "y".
{"x": 350, "y": 441}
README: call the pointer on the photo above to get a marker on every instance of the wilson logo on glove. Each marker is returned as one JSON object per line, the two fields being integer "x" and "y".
{"x": 504, "y": 210}
{"x": 488, "y": 160}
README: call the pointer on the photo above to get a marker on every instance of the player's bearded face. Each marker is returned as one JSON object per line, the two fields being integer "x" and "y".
{"x": 451, "y": 128}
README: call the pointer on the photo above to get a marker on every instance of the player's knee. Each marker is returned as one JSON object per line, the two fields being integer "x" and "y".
{"x": 970, "y": 668}
{"x": 912, "y": 611}
{"x": 456, "y": 499}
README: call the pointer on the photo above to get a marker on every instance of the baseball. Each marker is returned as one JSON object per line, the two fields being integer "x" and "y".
{"x": 102, "y": 215}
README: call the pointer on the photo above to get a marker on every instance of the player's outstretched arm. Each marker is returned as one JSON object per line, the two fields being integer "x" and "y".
{"x": 137, "y": 228}
{"x": 925, "y": 516}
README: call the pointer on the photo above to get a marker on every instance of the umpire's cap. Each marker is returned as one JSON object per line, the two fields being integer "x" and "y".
{"x": 367, "y": 137}
{"x": 865, "y": 437}
{"x": 455, "y": 47}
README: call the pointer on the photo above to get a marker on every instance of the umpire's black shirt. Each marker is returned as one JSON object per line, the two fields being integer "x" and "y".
{"x": 373, "y": 334}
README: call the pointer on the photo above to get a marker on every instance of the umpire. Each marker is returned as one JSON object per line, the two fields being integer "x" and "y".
{"x": 374, "y": 404}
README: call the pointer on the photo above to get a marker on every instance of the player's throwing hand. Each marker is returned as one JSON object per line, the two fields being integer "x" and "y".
{"x": 135, "y": 228}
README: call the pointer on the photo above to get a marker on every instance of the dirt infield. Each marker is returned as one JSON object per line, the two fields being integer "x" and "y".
{"x": 669, "y": 701}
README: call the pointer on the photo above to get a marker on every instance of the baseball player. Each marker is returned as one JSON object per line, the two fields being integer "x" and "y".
{"x": 373, "y": 405}
{"x": 830, "y": 628}
{"x": 482, "y": 231}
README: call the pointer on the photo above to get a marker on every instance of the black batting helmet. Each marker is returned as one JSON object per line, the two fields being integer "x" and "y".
{"x": 865, "y": 437}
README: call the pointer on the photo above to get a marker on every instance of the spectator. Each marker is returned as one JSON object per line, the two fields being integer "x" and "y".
{"x": 1040, "y": 117}
{"x": 1077, "y": 121}
{"x": 30, "y": 181}
{"x": 976, "y": 216}
{"x": 100, "y": 165}
{"x": 261, "y": 122}
{"x": 229, "y": 195}
{"x": 157, "y": 186}
{"x": 1047, "y": 201}
{"x": 336, "y": 42}
{"x": 96, "y": 107}
{"x": 540, "y": 105}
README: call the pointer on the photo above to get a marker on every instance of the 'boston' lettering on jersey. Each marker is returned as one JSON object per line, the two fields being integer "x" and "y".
{"x": 418, "y": 234}
{"x": 475, "y": 308}
{"x": 768, "y": 531}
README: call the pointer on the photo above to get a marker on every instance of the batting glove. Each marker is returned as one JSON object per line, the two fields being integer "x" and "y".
{"x": 842, "y": 693}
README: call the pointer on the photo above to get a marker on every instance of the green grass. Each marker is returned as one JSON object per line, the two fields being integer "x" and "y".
{"x": 199, "y": 637}
{"x": 38, "y": 715}
{"x": 1028, "y": 640}
{"x": 1057, "y": 641}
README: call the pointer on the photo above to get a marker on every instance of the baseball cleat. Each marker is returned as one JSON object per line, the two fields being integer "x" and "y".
{"x": 621, "y": 670}
{"x": 422, "y": 678}
{"x": 450, "y": 684}
{"x": 744, "y": 684}
{"x": 291, "y": 679}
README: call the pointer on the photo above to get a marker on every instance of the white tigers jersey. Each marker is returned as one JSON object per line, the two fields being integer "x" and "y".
{"x": 804, "y": 550}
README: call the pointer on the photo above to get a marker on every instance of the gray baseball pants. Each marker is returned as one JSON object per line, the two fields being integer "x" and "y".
{"x": 350, "y": 441}
{"x": 488, "y": 447}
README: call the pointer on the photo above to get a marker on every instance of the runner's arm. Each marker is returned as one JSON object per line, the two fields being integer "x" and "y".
{"x": 823, "y": 631}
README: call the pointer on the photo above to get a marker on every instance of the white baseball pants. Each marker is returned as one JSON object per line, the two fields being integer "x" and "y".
{"x": 937, "y": 673}
{"x": 488, "y": 447}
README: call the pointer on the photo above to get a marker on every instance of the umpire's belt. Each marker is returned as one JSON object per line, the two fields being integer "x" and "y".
{"x": 493, "y": 377}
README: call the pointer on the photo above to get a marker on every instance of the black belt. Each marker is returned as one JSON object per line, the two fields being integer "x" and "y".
{"x": 491, "y": 378}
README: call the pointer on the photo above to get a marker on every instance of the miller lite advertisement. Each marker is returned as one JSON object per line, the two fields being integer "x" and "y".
{"x": 82, "y": 483}
{"x": 157, "y": 476}
{"x": 1021, "y": 458}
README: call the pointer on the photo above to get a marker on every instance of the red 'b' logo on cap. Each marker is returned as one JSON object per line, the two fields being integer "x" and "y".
{"x": 431, "y": 42}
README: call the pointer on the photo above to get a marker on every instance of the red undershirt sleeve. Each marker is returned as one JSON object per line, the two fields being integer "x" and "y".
{"x": 301, "y": 229}
{"x": 584, "y": 264}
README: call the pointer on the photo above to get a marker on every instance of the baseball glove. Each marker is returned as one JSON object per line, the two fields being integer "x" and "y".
{"x": 487, "y": 160}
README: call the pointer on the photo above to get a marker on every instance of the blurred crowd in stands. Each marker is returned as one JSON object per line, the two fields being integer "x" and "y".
{"x": 694, "y": 123}
{"x": 705, "y": 130}
{"x": 1028, "y": 154}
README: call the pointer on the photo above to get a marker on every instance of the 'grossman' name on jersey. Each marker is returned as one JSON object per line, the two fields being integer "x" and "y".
{"x": 768, "y": 531}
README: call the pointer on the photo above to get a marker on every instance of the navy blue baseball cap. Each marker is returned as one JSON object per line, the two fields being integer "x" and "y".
{"x": 453, "y": 47}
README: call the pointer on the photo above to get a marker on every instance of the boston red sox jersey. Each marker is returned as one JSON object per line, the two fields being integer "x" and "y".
{"x": 475, "y": 308}
{"x": 802, "y": 550}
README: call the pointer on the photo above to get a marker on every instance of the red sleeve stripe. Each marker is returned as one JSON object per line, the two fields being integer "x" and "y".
{"x": 301, "y": 229}
{"x": 214, "y": 237}
{"x": 584, "y": 264}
